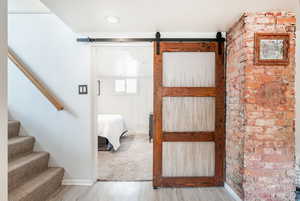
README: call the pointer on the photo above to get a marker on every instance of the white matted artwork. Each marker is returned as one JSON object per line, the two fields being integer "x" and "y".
{"x": 271, "y": 49}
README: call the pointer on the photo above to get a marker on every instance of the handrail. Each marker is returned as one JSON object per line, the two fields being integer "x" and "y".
{"x": 56, "y": 103}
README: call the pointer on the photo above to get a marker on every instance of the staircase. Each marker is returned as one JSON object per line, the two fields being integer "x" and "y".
{"x": 29, "y": 177}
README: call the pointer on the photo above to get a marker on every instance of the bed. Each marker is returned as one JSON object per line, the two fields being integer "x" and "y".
{"x": 111, "y": 127}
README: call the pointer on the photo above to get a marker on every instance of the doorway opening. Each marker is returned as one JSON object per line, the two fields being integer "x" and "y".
{"x": 124, "y": 110}
{"x": 173, "y": 92}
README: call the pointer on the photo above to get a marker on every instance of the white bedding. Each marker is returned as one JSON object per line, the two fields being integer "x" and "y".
{"x": 111, "y": 127}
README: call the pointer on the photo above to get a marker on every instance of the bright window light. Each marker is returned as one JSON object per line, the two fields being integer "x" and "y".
{"x": 120, "y": 86}
{"x": 126, "y": 86}
{"x": 131, "y": 86}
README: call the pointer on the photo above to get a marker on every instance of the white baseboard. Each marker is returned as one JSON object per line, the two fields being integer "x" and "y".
{"x": 232, "y": 193}
{"x": 77, "y": 182}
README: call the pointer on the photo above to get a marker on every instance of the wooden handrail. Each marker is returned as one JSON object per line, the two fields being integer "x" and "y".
{"x": 56, "y": 103}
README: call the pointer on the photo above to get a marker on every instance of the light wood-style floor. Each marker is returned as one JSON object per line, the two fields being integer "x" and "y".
{"x": 138, "y": 191}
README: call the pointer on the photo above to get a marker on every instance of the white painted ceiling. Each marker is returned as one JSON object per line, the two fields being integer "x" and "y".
{"x": 26, "y": 6}
{"x": 145, "y": 16}
{"x": 159, "y": 15}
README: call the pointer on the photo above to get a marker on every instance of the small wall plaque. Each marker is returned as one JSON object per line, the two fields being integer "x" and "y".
{"x": 272, "y": 49}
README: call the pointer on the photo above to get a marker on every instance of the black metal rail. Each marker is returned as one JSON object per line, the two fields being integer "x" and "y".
{"x": 218, "y": 38}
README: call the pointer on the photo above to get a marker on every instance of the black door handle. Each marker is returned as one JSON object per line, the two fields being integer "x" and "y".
{"x": 99, "y": 85}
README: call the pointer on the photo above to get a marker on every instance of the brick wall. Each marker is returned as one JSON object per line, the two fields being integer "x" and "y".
{"x": 260, "y": 145}
{"x": 235, "y": 121}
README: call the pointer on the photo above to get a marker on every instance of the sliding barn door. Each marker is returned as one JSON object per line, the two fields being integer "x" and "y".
{"x": 189, "y": 115}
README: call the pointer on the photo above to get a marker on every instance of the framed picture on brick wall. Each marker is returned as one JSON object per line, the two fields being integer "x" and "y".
{"x": 272, "y": 49}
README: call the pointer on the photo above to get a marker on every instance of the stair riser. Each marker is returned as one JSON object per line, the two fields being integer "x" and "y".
{"x": 16, "y": 150}
{"x": 42, "y": 192}
{"x": 26, "y": 172}
{"x": 13, "y": 129}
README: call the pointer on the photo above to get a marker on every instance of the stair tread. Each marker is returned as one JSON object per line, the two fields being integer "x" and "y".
{"x": 29, "y": 177}
{"x": 26, "y": 159}
{"x": 19, "y": 139}
{"x": 13, "y": 121}
{"x": 20, "y": 146}
{"x": 13, "y": 129}
{"x": 10, "y": 122}
{"x": 31, "y": 185}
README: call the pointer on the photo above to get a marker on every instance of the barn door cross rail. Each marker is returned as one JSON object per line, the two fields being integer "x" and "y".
{"x": 219, "y": 38}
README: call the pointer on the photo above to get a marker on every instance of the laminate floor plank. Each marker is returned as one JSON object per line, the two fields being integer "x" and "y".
{"x": 138, "y": 191}
{"x": 69, "y": 193}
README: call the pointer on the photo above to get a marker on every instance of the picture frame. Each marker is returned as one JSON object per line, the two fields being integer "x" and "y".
{"x": 272, "y": 49}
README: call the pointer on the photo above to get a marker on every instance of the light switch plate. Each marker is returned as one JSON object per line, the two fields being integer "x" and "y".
{"x": 83, "y": 89}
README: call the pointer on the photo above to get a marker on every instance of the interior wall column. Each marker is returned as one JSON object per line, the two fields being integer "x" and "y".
{"x": 260, "y": 141}
{"x": 3, "y": 101}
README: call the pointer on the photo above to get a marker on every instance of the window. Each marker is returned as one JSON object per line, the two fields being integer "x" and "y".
{"x": 131, "y": 85}
{"x": 120, "y": 86}
{"x": 126, "y": 86}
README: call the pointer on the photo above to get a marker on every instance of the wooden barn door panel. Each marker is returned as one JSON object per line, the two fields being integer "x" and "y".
{"x": 189, "y": 114}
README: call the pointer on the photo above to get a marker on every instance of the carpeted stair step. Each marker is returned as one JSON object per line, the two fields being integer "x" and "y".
{"x": 24, "y": 168}
{"x": 19, "y": 146}
{"x": 40, "y": 187}
{"x": 13, "y": 129}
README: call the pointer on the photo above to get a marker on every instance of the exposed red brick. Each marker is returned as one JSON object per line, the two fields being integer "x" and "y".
{"x": 260, "y": 145}
{"x": 265, "y": 20}
{"x": 286, "y": 20}
{"x": 271, "y": 94}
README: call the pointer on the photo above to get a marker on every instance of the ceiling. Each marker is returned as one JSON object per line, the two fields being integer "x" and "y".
{"x": 159, "y": 15}
{"x": 144, "y": 16}
{"x": 26, "y": 6}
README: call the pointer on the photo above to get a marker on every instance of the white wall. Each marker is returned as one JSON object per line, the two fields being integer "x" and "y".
{"x": 3, "y": 100}
{"x": 120, "y": 61}
{"x": 134, "y": 108}
{"x": 50, "y": 49}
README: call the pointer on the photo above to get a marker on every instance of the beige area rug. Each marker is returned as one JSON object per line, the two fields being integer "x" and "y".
{"x": 132, "y": 162}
